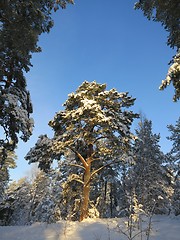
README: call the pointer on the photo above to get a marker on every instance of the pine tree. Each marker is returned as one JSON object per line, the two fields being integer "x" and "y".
{"x": 174, "y": 164}
{"x": 17, "y": 202}
{"x": 175, "y": 138}
{"x": 4, "y": 180}
{"x": 167, "y": 13}
{"x": 95, "y": 128}
{"x": 148, "y": 176}
{"x": 4, "y": 170}
{"x": 43, "y": 205}
{"x": 21, "y": 24}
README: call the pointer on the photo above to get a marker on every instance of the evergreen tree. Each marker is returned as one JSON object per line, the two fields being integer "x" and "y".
{"x": 16, "y": 205}
{"x": 167, "y": 13}
{"x": 174, "y": 164}
{"x": 21, "y": 23}
{"x": 4, "y": 170}
{"x": 95, "y": 128}
{"x": 175, "y": 138}
{"x": 26, "y": 202}
{"x": 147, "y": 176}
{"x": 4, "y": 180}
{"x": 43, "y": 206}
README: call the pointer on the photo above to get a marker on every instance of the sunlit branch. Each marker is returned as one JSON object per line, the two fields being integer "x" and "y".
{"x": 80, "y": 157}
{"x": 78, "y": 180}
{"x": 96, "y": 171}
{"x": 77, "y": 165}
{"x": 95, "y": 159}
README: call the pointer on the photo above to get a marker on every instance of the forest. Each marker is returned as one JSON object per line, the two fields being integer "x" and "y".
{"x": 96, "y": 165}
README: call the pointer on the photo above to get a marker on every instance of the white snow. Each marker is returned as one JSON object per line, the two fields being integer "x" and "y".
{"x": 163, "y": 228}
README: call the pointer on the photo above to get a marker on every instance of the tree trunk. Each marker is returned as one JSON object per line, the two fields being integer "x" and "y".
{"x": 86, "y": 192}
{"x": 111, "y": 200}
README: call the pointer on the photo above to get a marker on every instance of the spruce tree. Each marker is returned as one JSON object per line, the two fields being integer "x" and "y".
{"x": 174, "y": 163}
{"x": 43, "y": 206}
{"x": 175, "y": 138}
{"x": 148, "y": 176}
{"x": 16, "y": 205}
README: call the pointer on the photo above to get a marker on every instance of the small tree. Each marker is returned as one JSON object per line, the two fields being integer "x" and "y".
{"x": 94, "y": 127}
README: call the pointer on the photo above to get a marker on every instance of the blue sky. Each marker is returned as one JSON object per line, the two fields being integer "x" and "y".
{"x": 106, "y": 41}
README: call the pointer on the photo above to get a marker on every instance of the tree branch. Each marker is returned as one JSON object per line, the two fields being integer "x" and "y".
{"x": 77, "y": 165}
{"x": 80, "y": 157}
{"x": 95, "y": 159}
{"x": 96, "y": 171}
{"x": 78, "y": 180}
{"x": 98, "y": 139}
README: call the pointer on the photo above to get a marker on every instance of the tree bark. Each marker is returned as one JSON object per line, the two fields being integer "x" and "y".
{"x": 86, "y": 191}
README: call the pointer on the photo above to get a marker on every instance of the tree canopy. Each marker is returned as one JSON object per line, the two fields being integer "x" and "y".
{"x": 95, "y": 127}
{"x": 21, "y": 24}
{"x": 167, "y": 12}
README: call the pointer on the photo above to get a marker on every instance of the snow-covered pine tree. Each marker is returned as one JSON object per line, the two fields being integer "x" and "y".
{"x": 4, "y": 170}
{"x": 21, "y": 24}
{"x": 167, "y": 13}
{"x": 43, "y": 205}
{"x": 174, "y": 164}
{"x": 4, "y": 180}
{"x": 95, "y": 127}
{"x": 17, "y": 202}
{"x": 147, "y": 176}
{"x": 175, "y": 151}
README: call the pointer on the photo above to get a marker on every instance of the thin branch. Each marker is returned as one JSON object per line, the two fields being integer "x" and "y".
{"x": 99, "y": 169}
{"x": 99, "y": 139}
{"x": 95, "y": 159}
{"x": 137, "y": 234}
{"x": 78, "y": 180}
{"x": 77, "y": 165}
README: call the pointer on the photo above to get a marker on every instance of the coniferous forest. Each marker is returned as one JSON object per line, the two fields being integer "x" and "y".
{"x": 97, "y": 164}
{"x": 94, "y": 166}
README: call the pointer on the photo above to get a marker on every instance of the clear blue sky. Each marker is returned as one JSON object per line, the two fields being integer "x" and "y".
{"x": 106, "y": 41}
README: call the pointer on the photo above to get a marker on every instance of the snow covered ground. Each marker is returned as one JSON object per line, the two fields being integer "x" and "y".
{"x": 163, "y": 228}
